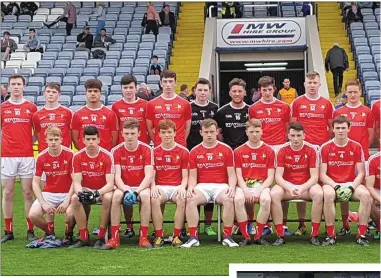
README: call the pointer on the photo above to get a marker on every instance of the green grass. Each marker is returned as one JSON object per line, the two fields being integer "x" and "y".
{"x": 209, "y": 259}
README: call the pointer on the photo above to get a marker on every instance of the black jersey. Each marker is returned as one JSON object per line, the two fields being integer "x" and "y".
{"x": 232, "y": 122}
{"x": 199, "y": 113}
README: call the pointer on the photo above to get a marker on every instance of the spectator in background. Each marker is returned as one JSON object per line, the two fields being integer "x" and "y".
{"x": 85, "y": 40}
{"x": 12, "y": 9}
{"x": 231, "y": 10}
{"x": 103, "y": 40}
{"x": 287, "y": 94}
{"x": 3, "y": 9}
{"x": 254, "y": 96}
{"x": 33, "y": 44}
{"x": 337, "y": 61}
{"x": 341, "y": 101}
{"x": 155, "y": 68}
{"x": 184, "y": 91}
{"x": 143, "y": 92}
{"x": 167, "y": 18}
{"x": 28, "y": 8}
{"x": 306, "y": 9}
{"x": 7, "y": 46}
{"x": 4, "y": 93}
{"x": 69, "y": 16}
{"x": 151, "y": 20}
{"x": 192, "y": 97}
{"x": 353, "y": 15}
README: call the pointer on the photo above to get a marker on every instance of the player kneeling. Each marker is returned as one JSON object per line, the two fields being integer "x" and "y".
{"x": 171, "y": 179}
{"x": 133, "y": 166}
{"x": 211, "y": 178}
{"x": 255, "y": 170}
{"x": 342, "y": 171}
{"x": 296, "y": 176}
{"x": 56, "y": 163}
{"x": 93, "y": 174}
{"x": 373, "y": 185}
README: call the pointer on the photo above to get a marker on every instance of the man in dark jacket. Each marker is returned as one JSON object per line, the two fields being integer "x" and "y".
{"x": 103, "y": 40}
{"x": 85, "y": 40}
{"x": 13, "y": 9}
{"x": 337, "y": 61}
{"x": 167, "y": 18}
{"x": 28, "y": 8}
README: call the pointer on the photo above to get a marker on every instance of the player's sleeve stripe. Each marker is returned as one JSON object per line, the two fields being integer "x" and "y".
{"x": 181, "y": 147}
{"x": 41, "y": 153}
{"x": 116, "y": 147}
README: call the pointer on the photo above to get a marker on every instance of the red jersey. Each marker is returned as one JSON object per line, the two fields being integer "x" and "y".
{"x": 93, "y": 169}
{"x": 297, "y": 164}
{"x": 373, "y": 168}
{"x": 376, "y": 112}
{"x": 132, "y": 163}
{"x": 58, "y": 170}
{"x": 361, "y": 119}
{"x": 135, "y": 110}
{"x": 341, "y": 160}
{"x": 59, "y": 117}
{"x": 102, "y": 118}
{"x": 254, "y": 162}
{"x": 211, "y": 163}
{"x": 17, "y": 128}
{"x": 274, "y": 117}
{"x": 169, "y": 164}
{"x": 314, "y": 114}
{"x": 176, "y": 109}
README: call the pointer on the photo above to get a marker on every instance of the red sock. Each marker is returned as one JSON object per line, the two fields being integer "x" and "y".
{"x": 159, "y": 233}
{"x": 378, "y": 224}
{"x": 29, "y": 224}
{"x": 50, "y": 227}
{"x": 362, "y": 230}
{"x": 115, "y": 232}
{"x": 344, "y": 217}
{"x": 130, "y": 225}
{"x": 84, "y": 234}
{"x": 260, "y": 228}
{"x": 176, "y": 232}
{"x": 193, "y": 232}
{"x": 102, "y": 232}
{"x": 315, "y": 229}
{"x": 331, "y": 231}
{"x": 8, "y": 225}
{"x": 284, "y": 222}
{"x": 144, "y": 231}
{"x": 68, "y": 228}
{"x": 243, "y": 228}
{"x": 302, "y": 223}
{"x": 279, "y": 230}
{"x": 228, "y": 230}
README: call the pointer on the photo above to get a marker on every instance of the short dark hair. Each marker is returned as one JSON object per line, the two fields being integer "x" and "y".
{"x": 15, "y": 76}
{"x": 237, "y": 82}
{"x": 54, "y": 86}
{"x": 127, "y": 79}
{"x": 168, "y": 74}
{"x": 104, "y": 29}
{"x": 296, "y": 126}
{"x": 131, "y": 123}
{"x": 165, "y": 6}
{"x": 183, "y": 87}
{"x": 6, "y": 33}
{"x": 155, "y": 57}
{"x": 93, "y": 84}
{"x": 86, "y": 28}
{"x": 203, "y": 81}
{"x": 32, "y": 29}
{"x": 208, "y": 123}
{"x": 265, "y": 81}
{"x": 91, "y": 130}
{"x": 341, "y": 120}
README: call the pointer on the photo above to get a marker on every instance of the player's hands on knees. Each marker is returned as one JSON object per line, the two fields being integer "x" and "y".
{"x": 63, "y": 207}
{"x": 155, "y": 192}
{"x": 182, "y": 193}
{"x": 230, "y": 192}
{"x": 190, "y": 193}
{"x": 48, "y": 208}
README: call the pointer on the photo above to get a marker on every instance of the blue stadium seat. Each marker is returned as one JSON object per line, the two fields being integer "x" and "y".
{"x": 113, "y": 55}
{"x": 50, "y": 56}
{"x": 41, "y": 72}
{"x": 140, "y": 78}
{"x": 71, "y": 81}
{"x": 65, "y": 55}
{"x": 74, "y": 108}
{"x": 154, "y": 87}
{"x": 133, "y": 46}
{"x": 149, "y": 38}
{"x": 116, "y": 47}
{"x": 24, "y": 72}
{"x": 58, "y": 39}
{"x": 91, "y": 71}
{"x": 36, "y": 81}
{"x": 142, "y": 62}
{"x": 145, "y": 54}
{"x": 55, "y": 79}
{"x": 7, "y": 72}
{"x": 126, "y": 63}
{"x": 367, "y": 67}
{"x": 106, "y": 80}
{"x": 113, "y": 98}
{"x": 81, "y": 55}
{"x": 32, "y": 99}
{"x": 107, "y": 71}
{"x": 139, "y": 70}
{"x": 40, "y": 101}
{"x": 32, "y": 90}
{"x": 110, "y": 63}
{"x": 83, "y": 79}
{"x": 365, "y": 58}
{"x": 94, "y": 63}
{"x": 59, "y": 72}
{"x": 153, "y": 79}
{"x": 65, "y": 100}
{"x": 123, "y": 71}
{"x": 74, "y": 72}
{"x": 67, "y": 90}
{"x": 80, "y": 90}
{"x": 133, "y": 38}
{"x": 372, "y": 85}
{"x": 54, "y": 47}
{"x": 128, "y": 54}
{"x": 116, "y": 80}
{"x": 79, "y": 100}
{"x": 62, "y": 64}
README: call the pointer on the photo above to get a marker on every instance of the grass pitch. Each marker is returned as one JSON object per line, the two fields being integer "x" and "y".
{"x": 210, "y": 258}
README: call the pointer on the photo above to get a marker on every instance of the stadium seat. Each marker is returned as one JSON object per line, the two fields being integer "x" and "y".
{"x": 153, "y": 79}
{"x": 107, "y": 71}
{"x": 140, "y": 78}
{"x": 32, "y": 90}
{"x": 126, "y": 63}
{"x": 80, "y": 90}
{"x": 106, "y": 80}
{"x": 94, "y": 63}
{"x": 113, "y": 54}
{"x": 372, "y": 85}
{"x": 71, "y": 81}
{"x": 74, "y": 108}
{"x": 110, "y": 63}
{"x": 154, "y": 87}
{"x": 65, "y": 55}
{"x": 53, "y": 79}
{"x": 8, "y": 72}
{"x": 36, "y": 81}
{"x": 81, "y": 55}
{"x": 67, "y": 90}
{"x": 32, "y": 99}
{"x": 41, "y": 72}
{"x": 123, "y": 71}
{"x": 79, "y": 100}
{"x": 65, "y": 100}
{"x": 139, "y": 70}
{"x": 62, "y": 64}
{"x": 59, "y": 72}
{"x": 24, "y": 72}
{"x": 142, "y": 62}
{"x": 14, "y": 64}
{"x": 91, "y": 71}
{"x": 83, "y": 79}
{"x": 113, "y": 98}
{"x": 129, "y": 54}
{"x": 116, "y": 80}
{"x": 74, "y": 72}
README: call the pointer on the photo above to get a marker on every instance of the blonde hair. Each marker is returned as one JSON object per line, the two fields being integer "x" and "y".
{"x": 253, "y": 123}
{"x": 53, "y": 131}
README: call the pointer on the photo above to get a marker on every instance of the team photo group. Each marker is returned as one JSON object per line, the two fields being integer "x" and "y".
{"x": 191, "y": 154}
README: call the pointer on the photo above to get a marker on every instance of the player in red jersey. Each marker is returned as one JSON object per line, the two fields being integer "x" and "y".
{"x": 170, "y": 183}
{"x": 169, "y": 106}
{"x": 342, "y": 166}
{"x": 93, "y": 180}
{"x": 296, "y": 176}
{"x": 17, "y": 153}
{"x": 360, "y": 116}
{"x": 131, "y": 106}
{"x": 212, "y": 177}
{"x": 95, "y": 114}
{"x": 56, "y": 163}
{"x": 254, "y": 162}
{"x": 376, "y": 114}
{"x": 373, "y": 184}
{"x": 133, "y": 178}
{"x": 52, "y": 114}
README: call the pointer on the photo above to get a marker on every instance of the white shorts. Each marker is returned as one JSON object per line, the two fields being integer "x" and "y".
{"x": 211, "y": 190}
{"x": 55, "y": 199}
{"x": 169, "y": 190}
{"x": 12, "y": 167}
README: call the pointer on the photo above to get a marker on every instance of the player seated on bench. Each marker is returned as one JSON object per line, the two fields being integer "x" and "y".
{"x": 170, "y": 183}
{"x": 211, "y": 178}
{"x": 133, "y": 177}
{"x": 342, "y": 172}
{"x": 296, "y": 176}
{"x": 254, "y": 162}
{"x": 56, "y": 163}
{"x": 373, "y": 185}
{"x": 93, "y": 178}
